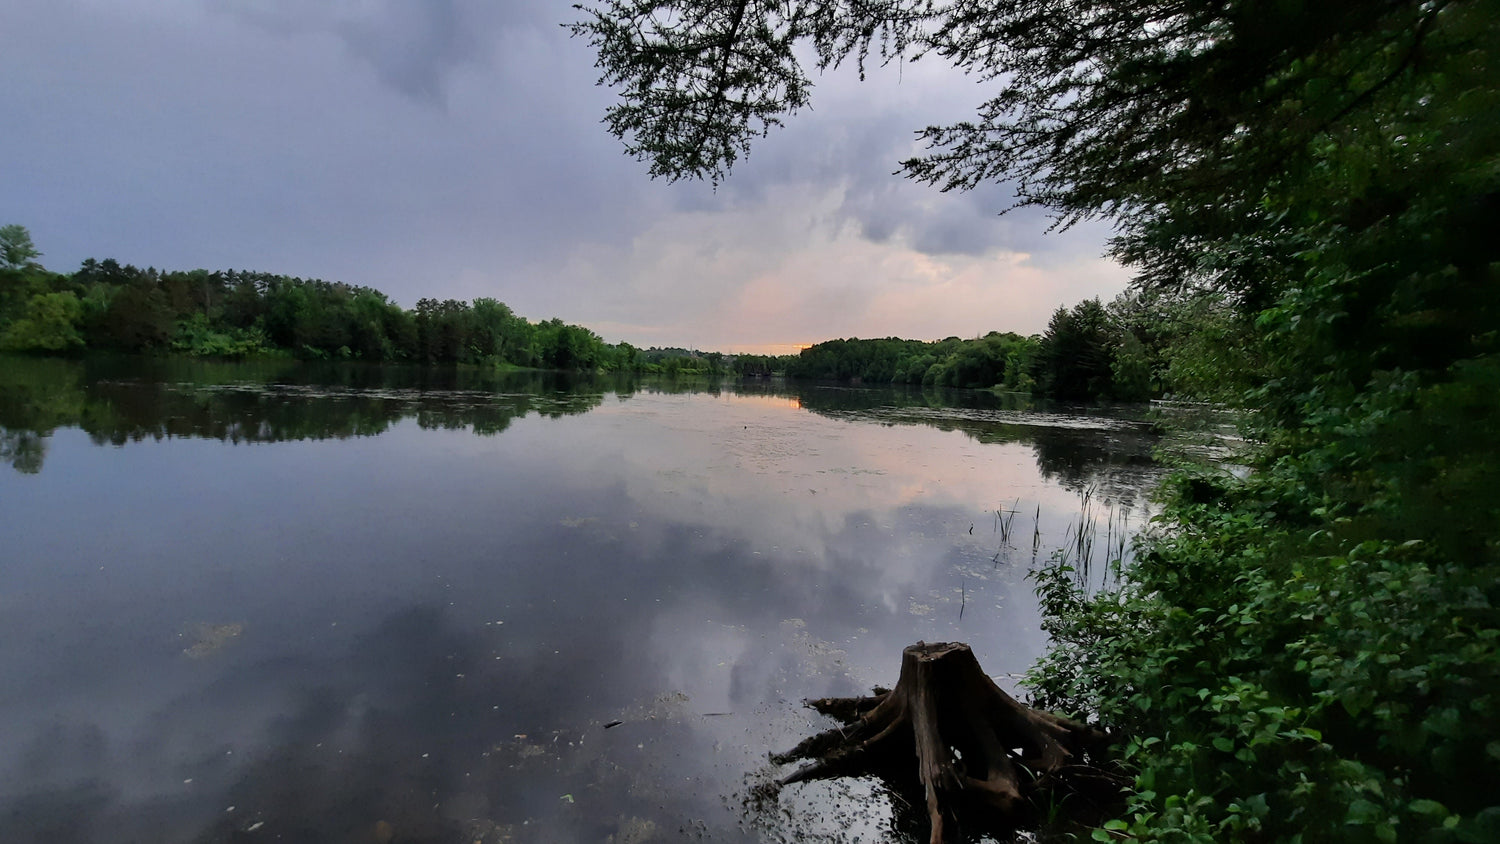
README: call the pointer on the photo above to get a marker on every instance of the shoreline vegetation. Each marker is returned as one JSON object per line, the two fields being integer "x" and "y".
{"x": 1130, "y": 350}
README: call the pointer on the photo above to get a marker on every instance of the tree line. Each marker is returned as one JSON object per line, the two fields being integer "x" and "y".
{"x": 1118, "y": 351}
{"x": 233, "y": 314}
{"x": 106, "y": 306}
{"x": 1138, "y": 346}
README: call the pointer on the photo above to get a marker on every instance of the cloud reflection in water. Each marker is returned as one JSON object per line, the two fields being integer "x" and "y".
{"x": 434, "y": 627}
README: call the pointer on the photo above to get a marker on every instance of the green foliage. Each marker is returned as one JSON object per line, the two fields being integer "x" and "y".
{"x": 723, "y": 72}
{"x": 1276, "y": 675}
{"x": 17, "y": 288}
{"x": 561, "y": 346}
{"x": 1217, "y": 359}
{"x": 195, "y": 336}
{"x": 761, "y": 365}
{"x": 49, "y": 324}
{"x": 1130, "y": 373}
{"x": 685, "y": 363}
{"x": 855, "y": 359}
{"x": 991, "y": 361}
{"x": 106, "y": 306}
{"x": 1312, "y": 652}
{"x": 16, "y": 249}
{"x": 1075, "y": 357}
{"x": 1194, "y": 343}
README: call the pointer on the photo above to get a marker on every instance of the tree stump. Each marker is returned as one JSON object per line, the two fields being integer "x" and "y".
{"x": 975, "y": 751}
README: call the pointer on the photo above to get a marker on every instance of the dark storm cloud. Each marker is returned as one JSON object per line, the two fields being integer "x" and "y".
{"x": 883, "y": 206}
{"x": 411, "y": 46}
{"x": 854, "y": 139}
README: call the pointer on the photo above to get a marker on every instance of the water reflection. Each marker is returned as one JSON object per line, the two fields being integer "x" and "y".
{"x": 375, "y": 625}
{"x": 119, "y": 400}
{"x": 1102, "y": 451}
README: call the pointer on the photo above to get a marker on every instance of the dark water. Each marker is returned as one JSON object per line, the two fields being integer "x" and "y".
{"x": 279, "y": 603}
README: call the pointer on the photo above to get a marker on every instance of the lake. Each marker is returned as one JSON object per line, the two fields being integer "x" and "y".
{"x": 285, "y": 602}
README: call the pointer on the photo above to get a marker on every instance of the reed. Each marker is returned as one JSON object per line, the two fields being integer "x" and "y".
{"x": 1095, "y": 546}
{"x": 1005, "y": 519}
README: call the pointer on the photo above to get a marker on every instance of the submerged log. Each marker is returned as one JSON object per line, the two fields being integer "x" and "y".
{"x": 948, "y": 733}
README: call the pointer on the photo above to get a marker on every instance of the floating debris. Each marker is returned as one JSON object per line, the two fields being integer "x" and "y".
{"x": 209, "y": 638}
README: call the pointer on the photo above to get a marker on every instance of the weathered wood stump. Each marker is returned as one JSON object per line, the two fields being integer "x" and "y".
{"x": 975, "y": 751}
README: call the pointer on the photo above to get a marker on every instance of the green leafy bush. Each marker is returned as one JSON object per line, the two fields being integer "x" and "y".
{"x": 49, "y": 324}
{"x": 1275, "y": 671}
{"x": 195, "y": 336}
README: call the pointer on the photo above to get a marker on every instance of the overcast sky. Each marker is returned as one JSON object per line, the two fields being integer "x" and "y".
{"x": 453, "y": 149}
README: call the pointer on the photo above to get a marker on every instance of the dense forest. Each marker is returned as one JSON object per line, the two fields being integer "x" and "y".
{"x": 1123, "y": 351}
{"x": 1136, "y": 347}
{"x": 234, "y": 314}
{"x": 1308, "y": 650}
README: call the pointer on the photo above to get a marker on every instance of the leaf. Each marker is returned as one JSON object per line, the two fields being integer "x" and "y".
{"x": 1428, "y": 807}
{"x": 1362, "y": 811}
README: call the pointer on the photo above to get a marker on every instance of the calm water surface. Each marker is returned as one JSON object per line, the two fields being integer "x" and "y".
{"x": 280, "y": 603}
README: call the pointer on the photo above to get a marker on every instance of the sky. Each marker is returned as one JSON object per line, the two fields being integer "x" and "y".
{"x": 454, "y": 149}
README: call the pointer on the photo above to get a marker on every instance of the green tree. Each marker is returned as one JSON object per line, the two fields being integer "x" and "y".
{"x": 243, "y": 303}
{"x": 21, "y": 277}
{"x": 626, "y": 354}
{"x": 369, "y": 317}
{"x": 1130, "y": 372}
{"x": 1074, "y": 358}
{"x": 498, "y": 333}
{"x": 50, "y": 324}
{"x": 981, "y": 363}
{"x": 17, "y": 287}
{"x": 16, "y": 248}
{"x": 198, "y": 337}
{"x": 125, "y": 309}
{"x": 568, "y": 347}
{"x": 1018, "y": 365}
